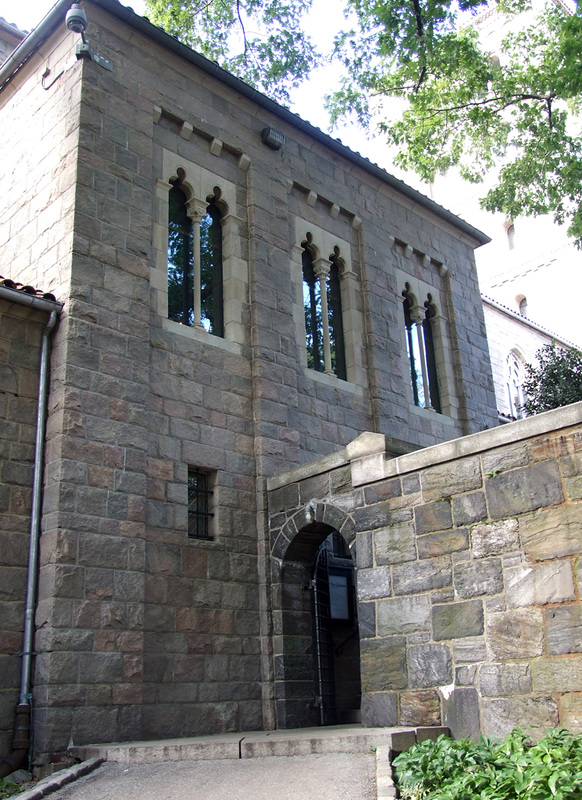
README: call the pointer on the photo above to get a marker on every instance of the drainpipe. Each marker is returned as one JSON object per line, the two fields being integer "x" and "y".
{"x": 21, "y": 742}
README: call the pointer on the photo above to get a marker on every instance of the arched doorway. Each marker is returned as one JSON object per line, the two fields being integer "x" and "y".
{"x": 316, "y": 642}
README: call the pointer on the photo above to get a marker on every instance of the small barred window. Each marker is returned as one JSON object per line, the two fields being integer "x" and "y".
{"x": 200, "y": 512}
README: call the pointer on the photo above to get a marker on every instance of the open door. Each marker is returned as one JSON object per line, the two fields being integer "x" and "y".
{"x": 337, "y": 644}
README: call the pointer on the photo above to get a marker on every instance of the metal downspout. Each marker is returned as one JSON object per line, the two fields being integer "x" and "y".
{"x": 21, "y": 743}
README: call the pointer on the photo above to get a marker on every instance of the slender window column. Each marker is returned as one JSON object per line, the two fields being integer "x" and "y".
{"x": 321, "y": 269}
{"x": 196, "y": 212}
{"x": 417, "y": 315}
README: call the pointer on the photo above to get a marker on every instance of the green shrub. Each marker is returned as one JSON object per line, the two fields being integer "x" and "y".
{"x": 516, "y": 767}
{"x": 8, "y": 788}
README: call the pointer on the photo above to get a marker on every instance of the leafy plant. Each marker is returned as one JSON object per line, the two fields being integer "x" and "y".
{"x": 556, "y": 380}
{"x": 8, "y": 788}
{"x": 516, "y": 767}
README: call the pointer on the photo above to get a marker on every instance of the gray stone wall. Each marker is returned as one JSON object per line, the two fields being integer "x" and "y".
{"x": 143, "y": 632}
{"x": 20, "y": 334}
{"x": 468, "y": 573}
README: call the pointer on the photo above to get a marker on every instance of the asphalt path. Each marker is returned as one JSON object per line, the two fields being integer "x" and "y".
{"x": 337, "y": 776}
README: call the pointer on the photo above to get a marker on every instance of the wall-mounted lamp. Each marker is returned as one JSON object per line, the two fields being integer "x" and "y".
{"x": 76, "y": 20}
{"x": 272, "y": 138}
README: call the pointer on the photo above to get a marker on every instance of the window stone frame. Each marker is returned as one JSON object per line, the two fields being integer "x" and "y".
{"x": 200, "y": 183}
{"x": 323, "y": 243}
{"x": 442, "y": 348}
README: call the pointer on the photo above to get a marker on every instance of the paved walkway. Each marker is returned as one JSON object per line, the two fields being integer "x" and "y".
{"x": 333, "y": 763}
{"x": 339, "y": 776}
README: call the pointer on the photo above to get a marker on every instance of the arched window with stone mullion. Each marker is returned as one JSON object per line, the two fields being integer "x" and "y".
{"x": 195, "y": 272}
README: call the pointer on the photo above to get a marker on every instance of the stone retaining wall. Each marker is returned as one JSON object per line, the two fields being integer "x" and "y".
{"x": 467, "y": 571}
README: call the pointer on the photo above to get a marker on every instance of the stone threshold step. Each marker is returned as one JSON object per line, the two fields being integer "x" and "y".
{"x": 260, "y": 744}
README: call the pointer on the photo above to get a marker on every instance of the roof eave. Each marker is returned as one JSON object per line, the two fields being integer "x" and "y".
{"x": 55, "y": 18}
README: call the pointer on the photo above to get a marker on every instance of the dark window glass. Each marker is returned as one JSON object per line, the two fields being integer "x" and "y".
{"x": 211, "y": 299}
{"x": 433, "y": 383}
{"x": 313, "y": 318}
{"x": 199, "y": 504}
{"x": 180, "y": 269}
{"x": 336, "y": 325}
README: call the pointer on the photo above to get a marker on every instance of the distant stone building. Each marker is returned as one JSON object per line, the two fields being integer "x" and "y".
{"x": 242, "y": 295}
{"x": 514, "y": 341}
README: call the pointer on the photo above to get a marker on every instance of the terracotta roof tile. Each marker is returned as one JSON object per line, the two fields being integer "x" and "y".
{"x": 20, "y": 287}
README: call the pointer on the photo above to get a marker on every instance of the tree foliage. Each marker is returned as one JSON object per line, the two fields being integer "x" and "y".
{"x": 467, "y": 107}
{"x": 555, "y": 381}
{"x": 260, "y": 41}
{"x": 462, "y": 106}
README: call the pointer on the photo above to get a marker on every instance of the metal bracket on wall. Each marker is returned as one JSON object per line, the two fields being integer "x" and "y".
{"x": 84, "y": 49}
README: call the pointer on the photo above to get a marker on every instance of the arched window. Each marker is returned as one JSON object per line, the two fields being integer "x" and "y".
{"x": 211, "y": 300}
{"x": 523, "y": 306}
{"x": 313, "y": 320}
{"x": 322, "y": 304}
{"x": 180, "y": 296}
{"x": 515, "y": 377}
{"x": 420, "y": 351}
{"x": 433, "y": 383}
{"x": 336, "y": 325}
{"x": 195, "y": 279}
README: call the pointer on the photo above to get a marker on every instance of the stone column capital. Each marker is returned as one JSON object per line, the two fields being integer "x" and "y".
{"x": 196, "y": 209}
{"x": 321, "y": 267}
{"x": 417, "y": 314}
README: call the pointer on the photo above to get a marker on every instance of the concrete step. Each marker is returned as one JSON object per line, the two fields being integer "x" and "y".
{"x": 256, "y": 744}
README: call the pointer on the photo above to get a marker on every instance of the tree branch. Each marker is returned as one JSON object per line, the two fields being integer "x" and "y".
{"x": 418, "y": 18}
{"x": 474, "y": 104}
{"x": 242, "y": 25}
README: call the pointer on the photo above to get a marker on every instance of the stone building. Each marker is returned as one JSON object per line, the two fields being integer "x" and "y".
{"x": 514, "y": 341}
{"x": 241, "y": 295}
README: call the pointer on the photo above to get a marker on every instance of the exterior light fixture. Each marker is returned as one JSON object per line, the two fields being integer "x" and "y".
{"x": 76, "y": 20}
{"x": 272, "y": 138}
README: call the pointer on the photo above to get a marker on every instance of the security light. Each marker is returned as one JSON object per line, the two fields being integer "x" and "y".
{"x": 76, "y": 20}
{"x": 272, "y": 138}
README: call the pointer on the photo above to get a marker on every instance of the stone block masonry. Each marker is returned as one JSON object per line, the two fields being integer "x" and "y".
{"x": 468, "y": 557}
{"x": 145, "y": 631}
{"x": 20, "y": 336}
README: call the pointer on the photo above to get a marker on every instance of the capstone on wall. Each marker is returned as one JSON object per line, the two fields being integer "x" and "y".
{"x": 468, "y": 576}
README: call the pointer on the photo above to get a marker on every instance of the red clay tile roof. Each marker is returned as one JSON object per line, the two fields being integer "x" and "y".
{"x": 20, "y": 287}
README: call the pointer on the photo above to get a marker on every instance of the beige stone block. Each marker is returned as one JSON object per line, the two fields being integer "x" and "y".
{"x": 558, "y": 674}
{"x": 573, "y": 488}
{"x": 552, "y": 533}
{"x": 501, "y": 714}
{"x": 457, "y": 477}
{"x": 570, "y": 706}
{"x": 515, "y": 634}
{"x": 552, "y": 582}
{"x": 495, "y": 537}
